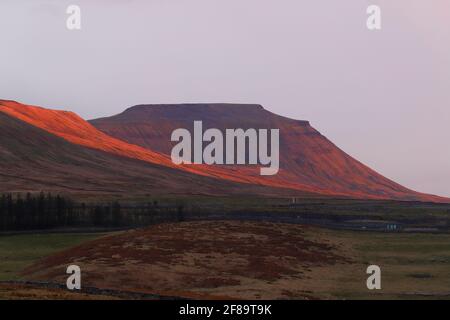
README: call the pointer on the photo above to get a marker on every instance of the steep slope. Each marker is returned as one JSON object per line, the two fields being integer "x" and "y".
{"x": 74, "y": 129}
{"x": 33, "y": 160}
{"x": 306, "y": 157}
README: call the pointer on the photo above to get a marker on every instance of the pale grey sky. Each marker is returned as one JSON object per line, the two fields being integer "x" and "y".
{"x": 383, "y": 96}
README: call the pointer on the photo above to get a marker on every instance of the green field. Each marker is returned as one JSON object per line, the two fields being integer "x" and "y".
{"x": 19, "y": 251}
{"x": 413, "y": 266}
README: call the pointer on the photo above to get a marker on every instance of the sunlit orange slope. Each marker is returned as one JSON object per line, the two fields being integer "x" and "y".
{"x": 74, "y": 129}
{"x": 306, "y": 156}
{"x": 309, "y": 162}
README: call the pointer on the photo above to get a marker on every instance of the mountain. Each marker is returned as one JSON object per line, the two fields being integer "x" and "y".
{"x": 128, "y": 154}
{"x": 308, "y": 159}
{"x": 74, "y": 129}
{"x": 49, "y": 150}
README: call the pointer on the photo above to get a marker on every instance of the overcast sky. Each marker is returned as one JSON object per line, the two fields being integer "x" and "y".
{"x": 383, "y": 97}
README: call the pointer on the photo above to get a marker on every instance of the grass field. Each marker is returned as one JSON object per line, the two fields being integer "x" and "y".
{"x": 19, "y": 251}
{"x": 240, "y": 260}
{"x": 413, "y": 266}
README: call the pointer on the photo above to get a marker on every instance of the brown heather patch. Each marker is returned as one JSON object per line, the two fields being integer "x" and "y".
{"x": 216, "y": 258}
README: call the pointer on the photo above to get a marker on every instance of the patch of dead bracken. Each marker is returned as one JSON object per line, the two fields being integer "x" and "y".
{"x": 205, "y": 257}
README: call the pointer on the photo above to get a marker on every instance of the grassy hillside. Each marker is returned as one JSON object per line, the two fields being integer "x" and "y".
{"x": 19, "y": 251}
{"x": 257, "y": 260}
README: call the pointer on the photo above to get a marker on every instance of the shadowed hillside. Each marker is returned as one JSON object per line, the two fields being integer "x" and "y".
{"x": 306, "y": 156}
{"x": 33, "y": 160}
{"x": 43, "y": 148}
{"x": 72, "y": 128}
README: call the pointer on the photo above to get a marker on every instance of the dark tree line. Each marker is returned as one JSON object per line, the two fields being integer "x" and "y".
{"x": 46, "y": 211}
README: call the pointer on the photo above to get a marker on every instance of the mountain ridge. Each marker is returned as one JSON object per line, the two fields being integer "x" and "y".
{"x": 35, "y": 160}
{"x": 314, "y": 165}
{"x": 307, "y": 157}
{"x": 71, "y": 127}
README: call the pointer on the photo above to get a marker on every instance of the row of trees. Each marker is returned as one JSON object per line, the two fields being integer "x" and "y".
{"x": 47, "y": 211}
